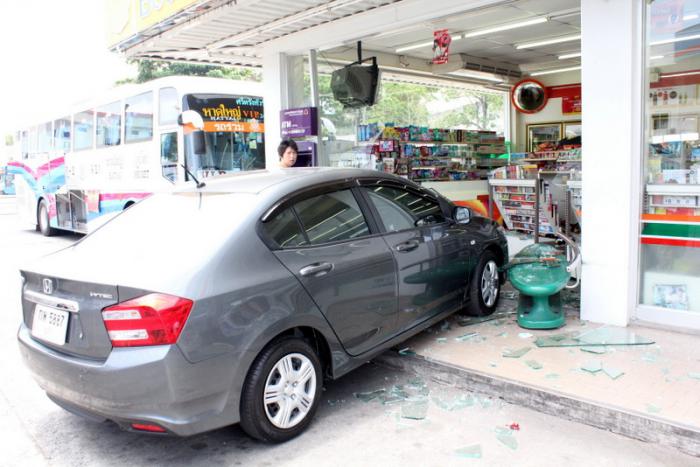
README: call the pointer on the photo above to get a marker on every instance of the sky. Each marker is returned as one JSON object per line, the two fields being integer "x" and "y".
{"x": 53, "y": 54}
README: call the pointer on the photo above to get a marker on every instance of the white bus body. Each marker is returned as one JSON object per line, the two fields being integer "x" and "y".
{"x": 102, "y": 156}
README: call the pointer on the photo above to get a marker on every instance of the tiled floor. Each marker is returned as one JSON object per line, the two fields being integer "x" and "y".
{"x": 660, "y": 380}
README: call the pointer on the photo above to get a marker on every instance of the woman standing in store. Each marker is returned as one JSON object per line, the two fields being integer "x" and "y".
{"x": 287, "y": 151}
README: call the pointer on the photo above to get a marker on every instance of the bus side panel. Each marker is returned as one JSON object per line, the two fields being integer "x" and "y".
{"x": 35, "y": 183}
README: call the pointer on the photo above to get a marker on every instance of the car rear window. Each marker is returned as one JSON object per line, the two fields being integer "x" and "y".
{"x": 173, "y": 223}
{"x": 285, "y": 230}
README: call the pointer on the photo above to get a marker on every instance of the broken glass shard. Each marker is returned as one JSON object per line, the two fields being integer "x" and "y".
{"x": 371, "y": 395}
{"x": 407, "y": 352}
{"x": 614, "y": 373}
{"x": 534, "y": 364}
{"x": 651, "y": 408}
{"x": 592, "y": 366}
{"x": 471, "y": 320}
{"x": 596, "y": 350}
{"x": 416, "y": 410}
{"x": 441, "y": 340}
{"x": 508, "y": 439}
{"x": 466, "y": 337}
{"x": 551, "y": 376}
{"x": 606, "y": 335}
{"x": 694, "y": 375}
{"x": 517, "y": 353}
{"x": 470, "y": 452}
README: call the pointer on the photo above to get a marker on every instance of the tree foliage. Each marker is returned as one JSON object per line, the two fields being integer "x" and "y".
{"x": 148, "y": 70}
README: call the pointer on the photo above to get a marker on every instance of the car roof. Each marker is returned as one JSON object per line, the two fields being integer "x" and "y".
{"x": 285, "y": 180}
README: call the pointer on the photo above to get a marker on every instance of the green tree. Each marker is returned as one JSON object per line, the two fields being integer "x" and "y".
{"x": 481, "y": 111}
{"x": 9, "y": 140}
{"x": 148, "y": 70}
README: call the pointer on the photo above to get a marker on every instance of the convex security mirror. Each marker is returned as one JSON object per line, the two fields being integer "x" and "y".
{"x": 461, "y": 215}
{"x": 194, "y": 123}
{"x": 529, "y": 96}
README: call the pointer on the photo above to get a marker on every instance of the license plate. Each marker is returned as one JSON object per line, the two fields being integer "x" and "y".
{"x": 50, "y": 324}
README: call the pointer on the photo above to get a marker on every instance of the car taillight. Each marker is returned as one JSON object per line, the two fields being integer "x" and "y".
{"x": 154, "y": 319}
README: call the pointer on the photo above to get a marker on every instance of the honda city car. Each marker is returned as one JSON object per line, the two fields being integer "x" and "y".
{"x": 233, "y": 301}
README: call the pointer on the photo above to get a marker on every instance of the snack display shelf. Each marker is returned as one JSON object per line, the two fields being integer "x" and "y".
{"x": 515, "y": 201}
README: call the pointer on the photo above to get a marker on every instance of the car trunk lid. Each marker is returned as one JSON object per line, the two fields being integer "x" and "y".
{"x": 65, "y": 315}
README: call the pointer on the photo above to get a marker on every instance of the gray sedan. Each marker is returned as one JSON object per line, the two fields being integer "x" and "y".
{"x": 232, "y": 302}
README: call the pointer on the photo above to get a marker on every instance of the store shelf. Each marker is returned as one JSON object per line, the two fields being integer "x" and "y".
{"x": 691, "y": 190}
{"x": 511, "y": 182}
{"x": 429, "y": 167}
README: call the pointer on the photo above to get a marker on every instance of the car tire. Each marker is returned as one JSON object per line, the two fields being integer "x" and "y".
{"x": 284, "y": 381}
{"x": 485, "y": 287}
{"x": 42, "y": 219}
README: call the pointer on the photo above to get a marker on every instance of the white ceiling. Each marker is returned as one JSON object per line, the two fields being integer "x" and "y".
{"x": 230, "y": 33}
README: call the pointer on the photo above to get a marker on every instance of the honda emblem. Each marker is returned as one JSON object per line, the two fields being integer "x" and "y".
{"x": 48, "y": 286}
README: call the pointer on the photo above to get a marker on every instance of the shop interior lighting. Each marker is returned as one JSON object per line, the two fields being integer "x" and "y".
{"x": 565, "y": 56}
{"x": 477, "y": 75}
{"x": 556, "y": 40}
{"x": 676, "y": 39}
{"x": 656, "y": 57}
{"x": 423, "y": 44}
{"x": 690, "y": 17}
{"x": 558, "y": 70}
{"x": 480, "y": 32}
{"x": 506, "y": 27}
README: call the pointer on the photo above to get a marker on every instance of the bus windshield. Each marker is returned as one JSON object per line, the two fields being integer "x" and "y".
{"x": 234, "y": 132}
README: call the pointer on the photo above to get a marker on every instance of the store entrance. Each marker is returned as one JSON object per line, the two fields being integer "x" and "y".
{"x": 458, "y": 110}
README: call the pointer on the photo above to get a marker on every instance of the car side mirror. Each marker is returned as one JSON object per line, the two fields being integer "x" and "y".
{"x": 193, "y": 124}
{"x": 461, "y": 215}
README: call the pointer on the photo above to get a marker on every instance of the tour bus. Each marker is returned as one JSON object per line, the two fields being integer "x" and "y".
{"x": 97, "y": 160}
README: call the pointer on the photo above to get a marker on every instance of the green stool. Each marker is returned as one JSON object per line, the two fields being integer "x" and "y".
{"x": 539, "y": 273}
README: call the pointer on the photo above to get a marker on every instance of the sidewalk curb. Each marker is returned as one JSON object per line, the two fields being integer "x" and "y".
{"x": 627, "y": 423}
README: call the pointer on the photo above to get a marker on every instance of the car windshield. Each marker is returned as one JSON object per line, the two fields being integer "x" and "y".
{"x": 234, "y": 134}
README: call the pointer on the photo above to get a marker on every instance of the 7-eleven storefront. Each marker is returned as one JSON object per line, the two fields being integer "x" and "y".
{"x": 638, "y": 64}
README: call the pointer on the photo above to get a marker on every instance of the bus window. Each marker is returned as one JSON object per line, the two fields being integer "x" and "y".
{"x": 138, "y": 118}
{"x": 168, "y": 107}
{"x": 33, "y": 139}
{"x": 168, "y": 155}
{"x": 44, "y": 138}
{"x": 83, "y": 130}
{"x": 109, "y": 125}
{"x": 61, "y": 134}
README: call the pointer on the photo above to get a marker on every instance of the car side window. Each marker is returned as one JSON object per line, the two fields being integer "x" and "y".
{"x": 285, "y": 230}
{"x": 401, "y": 209}
{"x": 332, "y": 217}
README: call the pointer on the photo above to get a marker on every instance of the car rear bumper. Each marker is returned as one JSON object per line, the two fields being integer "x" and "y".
{"x": 136, "y": 385}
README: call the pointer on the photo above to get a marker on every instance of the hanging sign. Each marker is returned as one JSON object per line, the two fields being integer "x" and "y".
{"x": 441, "y": 46}
{"x": 297, "y": 123}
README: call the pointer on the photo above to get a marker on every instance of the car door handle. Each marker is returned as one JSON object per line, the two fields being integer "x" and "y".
{"x": 407, "y": 246}
{"x": 316, "y": 269}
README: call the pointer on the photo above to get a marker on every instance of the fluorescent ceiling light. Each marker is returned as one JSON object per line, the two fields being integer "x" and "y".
{"x": 556, "y": 40}
{"x": 656, "y": 57}
{"x": 690, "y": 16}
{"x": 676, "y": 39}
{"x": 423, "y": 44}
{"x": 688, "y": 73}
{"x": 558, "y": 70}
{"x": 476, "y": 74}
{"x": 565, "y": 56}
{"x": 506, "y": 27}
{"x": 674, "y": 138}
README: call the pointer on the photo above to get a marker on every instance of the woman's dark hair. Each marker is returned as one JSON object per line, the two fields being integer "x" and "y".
{"x": 286, "y": 143}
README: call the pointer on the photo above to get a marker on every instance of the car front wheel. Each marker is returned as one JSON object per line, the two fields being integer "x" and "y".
{"x": 282, "y": 390}
{"x": 485, "y": 287}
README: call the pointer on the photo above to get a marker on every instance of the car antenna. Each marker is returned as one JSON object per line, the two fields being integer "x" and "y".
{"x": 199, "y": 184}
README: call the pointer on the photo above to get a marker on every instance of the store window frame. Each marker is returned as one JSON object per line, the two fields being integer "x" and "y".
{"x": 688, "y": 319}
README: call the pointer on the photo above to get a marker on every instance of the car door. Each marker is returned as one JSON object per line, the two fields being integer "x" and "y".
{"x": 432, "y": 253}
{"x": 326, "y": 241}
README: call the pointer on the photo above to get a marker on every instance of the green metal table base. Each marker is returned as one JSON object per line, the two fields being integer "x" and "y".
{"x": 540, "y": 312}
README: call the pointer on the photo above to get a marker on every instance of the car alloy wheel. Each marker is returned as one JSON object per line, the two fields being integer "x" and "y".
{"x": 489, "y": 284}
{"x": 290, "y": 390}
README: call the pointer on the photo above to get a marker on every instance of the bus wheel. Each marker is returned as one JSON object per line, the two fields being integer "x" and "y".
{"x": 43, "y": 219}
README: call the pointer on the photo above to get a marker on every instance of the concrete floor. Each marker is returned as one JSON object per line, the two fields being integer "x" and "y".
{"x": 347, "y": 430}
